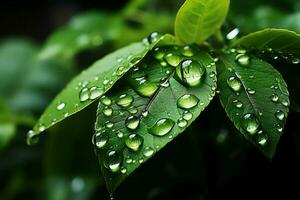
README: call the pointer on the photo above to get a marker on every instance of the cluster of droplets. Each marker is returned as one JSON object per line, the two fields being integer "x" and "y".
{"x": 269, "y": 53}
{"x": 175, "y": 62}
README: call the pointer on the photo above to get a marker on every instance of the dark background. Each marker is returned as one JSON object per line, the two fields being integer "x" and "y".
{"x": 210, "y": 161}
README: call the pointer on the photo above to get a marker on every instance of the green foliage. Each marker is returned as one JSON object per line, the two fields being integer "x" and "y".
{"x": 255, "y": 98}
{"x": 149, "y": 107}
{"x": 151, "y": 91}
{"x": 198, "y": 19}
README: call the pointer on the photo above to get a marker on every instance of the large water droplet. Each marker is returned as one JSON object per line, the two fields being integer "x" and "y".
{"x": 190, "y": 72}
{"x": 125, "y": 100}
{"x": 162, "y": 127}
{"x": 153, "y": 37}
{"x": 280, "y": 115}
{"x": 113, "y": 161}
{"x": 132, "y": 122}
{"x": 250, "y": 123}
{"x": 173, "y": 59}
{"x": 234, "y": 83}
{"x": 146, "y": 88}
{"x": 101, "y": 139}
{"x": 187, "y": 101}
{"x": 84, "y": 94}
{"x": 243, "y": 59}
{"x": 134, "y": 142}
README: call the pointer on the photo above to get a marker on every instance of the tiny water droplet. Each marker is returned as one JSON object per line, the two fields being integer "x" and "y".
{"x": 250, "y": 91}
{"x": 280, "y": 115}
{"x": 279, "y": 128}
{"x": 187, "y": 101}
{"x": 187, "y": 51}
{"x": 106, "y": 101}
{"x": 274, "y": 98}
{"x": 107, "y": 111}
{"x": 237, "y": 103}
{"x": 133, "y": 110}
{"x": 285, "y": 103}
{"x": 109, "y": 124}
{"x": 125, "y": 100}
{"x": 182, "y": 123}
{"x": 60, "y": 106}
{"x": 162, "y": 127}
{"x": 158, "y": 53}
{"x": 148, "y": 152}
{"x": 234, "y": 83}
{"x": 84, "y": 94}
{"x": 250, "y": 123}
{"x": 123, "y": 170}
{"x": 132, "y": 122}
{"x": 153, "y": 37}
{"x": 262, "y": 140}
{"x": 243, "y": 59}
{"x": 134, "y": 142}
{"x": 295, "y": 61}
{"x": 187, "y": 115}
{"x": 173, "y": 59}
{"x": 145, "y": 113}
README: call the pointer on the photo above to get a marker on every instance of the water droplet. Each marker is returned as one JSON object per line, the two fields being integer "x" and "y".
{"x": 109, "y": 124}
{"x": 42, "y": 128}
{"x": 134, "y": 142}
{"x": 262, "y": 140}
{"x": 158, "y": 53}
{"x": 123, "y": 170}
{"x": 279, "y": 129}
{"x": 106, "y": 101}
{"x": 95, "y": 92}
{"x": 120, "y": 134}
{"x": 250, "y": 123}
{"x": 133, "y": 110}
{"x": 148, "y": 152}
{"x": 162, "y": 127}
{"x": 274, "y": 98}
{"x": 146, "y": 88}
{"x": 250, "y": 91}
{"x": 243, "y": 59}
{"x": 187, "y": 115}
{"x": 237, "y": 103}
{"x": 125, "y": 100}
{"x": 232, "y": 34}
{"x": 182, "y": 123}
{"x": 60, "y": 106}
{"x": 84, "y": 94}
{"x": 234, "y": 83}
{"x": 113, "y": 161}
{"x": 187, "y": 101}
{"x": 295, "y": 61}
{"x": 285, "y": 103}
{"x": 153, "y": 37}
{"x": 107, "y": 111}
{"x": 190, "y": 73}
{"x": 173, "y": 59}
{"x": 145, "y": 113}
{"x": 132, "y": 122}
{"x": 100, "y": 139}
{"x": 32, "y": 137}
{"x": 280, "y": 115}
{"x": 187, "y": 51}
{"x": 128, "y": 160}
{"x": 164, "y": 82}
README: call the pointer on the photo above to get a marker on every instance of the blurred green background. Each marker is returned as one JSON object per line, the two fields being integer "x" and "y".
{"x": 43, "y": 44}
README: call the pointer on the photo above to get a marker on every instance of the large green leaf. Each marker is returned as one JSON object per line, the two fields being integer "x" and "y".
{"x": 256, "y": 99}
{"x": 93, "y": 83}
{"x": 149, "y": 107}
{"x": 279, "y": 40}
{"x": 85, "y": 31}
{"x": 198, "y": 19}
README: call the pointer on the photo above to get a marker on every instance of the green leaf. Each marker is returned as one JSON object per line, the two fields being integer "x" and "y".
{"x": 256, "y": 99}
{"x": 149, "y": 107}
{"x": 92, "y": 84}
{"x": 279, "y": 40}
{"x": 198, "y": 19}
{"x": 85, "y": 31}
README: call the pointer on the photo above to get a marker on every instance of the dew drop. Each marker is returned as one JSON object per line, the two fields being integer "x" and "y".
{"x": 262, "y": 140}
{"x": 105, "y": 101}
{"x": 146, "y": 88}
{"x": 132, "y": 110}
{"x": 60, "y": 106}
{"x": 84, "y": 94}
{"x": 250, "y": 123}
{"x": 237, "y": 103}
{"x": 113, "y": 161}
{"x": 295, "y": 61}
{"x": 173, "y": 59}
{"x": 148, "y": 152}
{"x": 158, "y": 53}
{"x": 162, "y": 127}
{"x": 187, "y": 101}
{"x": 125, "y": 100}
{"x": 274, "y": 98}
{"x": 243, "y": 59}
{"x": 107, "y": 111}
{"x": 134, "y": 142}
{"x": 250, "y": 91}
{"x": 190, "y": 73}
{"x": 187, "y": 115}
{"x": 123, "y": 170}
{"x": 182, "y": 123}
{"x": 145, "y": 113}
{"x": 109, "y": 124}
{"x": 153, "y": 37}
{"x": 285, "y": 103}
{"x": 234, "y": 83}
{"x": 187, "y": 51}
{"x": 280, "y": 115}
{"x": 95, "y": 92}
{"x": 101, "y": 139}
{"x": 132, "y": 122}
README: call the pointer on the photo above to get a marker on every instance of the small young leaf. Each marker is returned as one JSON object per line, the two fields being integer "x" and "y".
{"x": 93, "y": 83}
{"x": 256, "y": 99}
{"x": 198, "y": 19}
{"x": 153, "y": 103}
{"x": 278, "y": 40}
